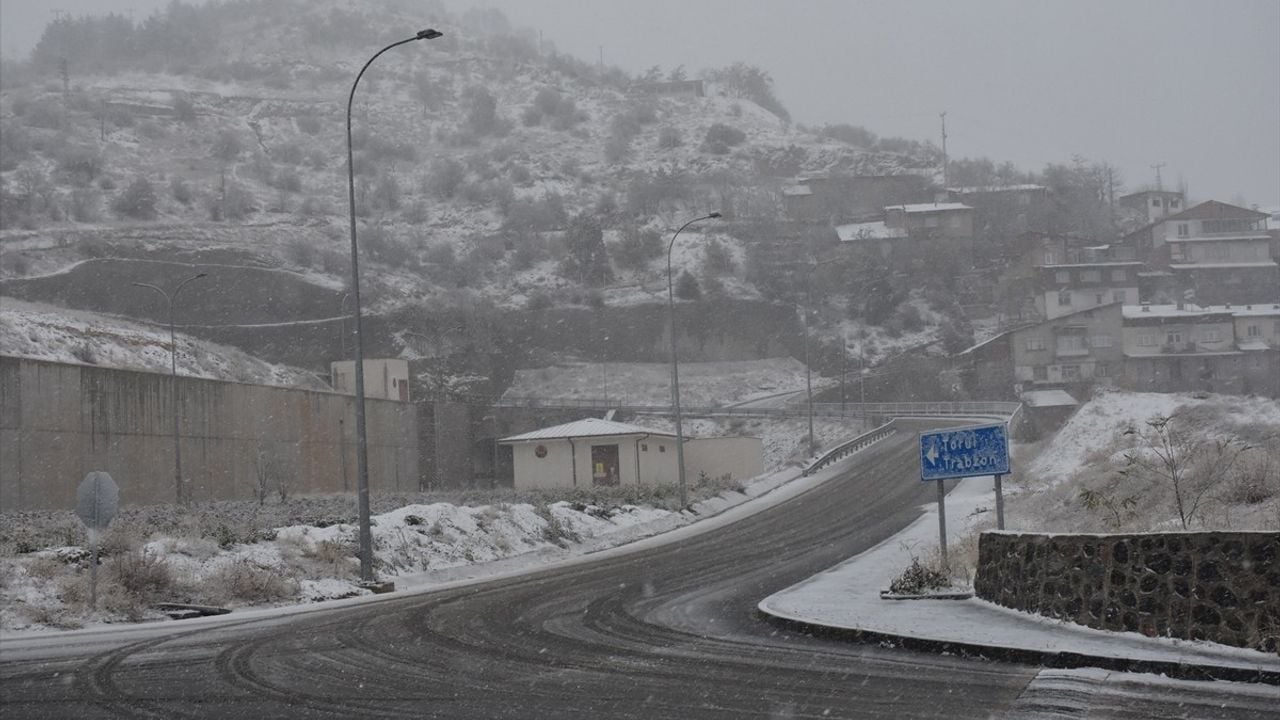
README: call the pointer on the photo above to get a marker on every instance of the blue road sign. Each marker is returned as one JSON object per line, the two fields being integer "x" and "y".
{"x": 964, "y": 452}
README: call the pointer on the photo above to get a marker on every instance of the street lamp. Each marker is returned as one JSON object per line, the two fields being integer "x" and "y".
{"x": 362, "y": 440}
{"x": 675, "y": 366}
{"x": 169, "y": 298}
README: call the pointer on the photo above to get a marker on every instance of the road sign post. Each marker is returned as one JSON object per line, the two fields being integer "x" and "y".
{"x": 97, "y": 500}
{"x": 960, "y": 453}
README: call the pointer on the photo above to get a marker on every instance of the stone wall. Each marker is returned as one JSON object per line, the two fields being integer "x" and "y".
{"x": 60, "y": 421}
{"x": 1218, "y": 586}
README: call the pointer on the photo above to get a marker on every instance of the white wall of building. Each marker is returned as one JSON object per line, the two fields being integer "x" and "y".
{"x": 386, "y": 379}
{"x": 642, "y": 459}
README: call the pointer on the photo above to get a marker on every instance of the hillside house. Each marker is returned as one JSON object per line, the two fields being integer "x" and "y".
{"x": 1153, "y": 204}
{"x": 846, "y": 198}
{"x": 593, "y": 452}
{"x": 1065, "y": 352}
{"x": 1084, "y": 278}
{"x": 1001, "y": 213}
{"x": 1170, "y": 348}
{"x": 672, "y": 88}
{"x": 1257, "y": 331}
{"x": 1213, "y": 253}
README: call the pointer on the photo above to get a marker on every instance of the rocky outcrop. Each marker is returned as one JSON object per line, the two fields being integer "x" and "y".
{"x": 1218, "y": 586}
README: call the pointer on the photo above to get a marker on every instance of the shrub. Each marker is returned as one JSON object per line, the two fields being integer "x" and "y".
{"x": 137, "y": 201}
{"x": 84, "y": 205}
{"x": 183, "y": 107}
{"x": 481, "y": 111}
{"x": 180, "y": 189}
{"x": 309, "y": 124}
{"x": 226, "y": 146}
{"x": 687, "y": 287}
{"x": 82, "y": 164}
{"x": 444, "y": 178}
{"x": 918, "y": 579}
{"x": 247, "y": 582}
{"x": 143, "y": 575}
{"x": 721, "y": 137}
{"x": 718, "y": 259}
{"x": 669, "y": 138}
{"x": 637, "y": 247}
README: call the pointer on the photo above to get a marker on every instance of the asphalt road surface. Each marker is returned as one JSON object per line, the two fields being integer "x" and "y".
{"x": 664, "y": 632}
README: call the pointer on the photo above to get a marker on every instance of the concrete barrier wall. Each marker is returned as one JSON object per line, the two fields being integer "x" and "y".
{"x": 59, "y": 421}
{"x": 1218, "y": 586}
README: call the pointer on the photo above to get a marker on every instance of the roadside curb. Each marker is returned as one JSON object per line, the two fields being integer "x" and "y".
{"x": 1044, "y": 658}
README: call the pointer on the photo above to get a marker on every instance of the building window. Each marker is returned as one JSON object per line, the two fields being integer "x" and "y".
{"x": 1040, "y": 372}
{"x": 1050, "y": 258}
{"x": 1100, "y": 370}
{"x": 644, "y": 447}
{"x": 1173, "y": 338}
{"x": 1101, "y": 341}
{"x": 1211, "y": 336}
{"x": 1119, "y": 275}
{"x": 1218, "y": 252}
{"x": 1174, "y": 202}
{"x": 1146, "y": 340}
{"x": 1035, "y": 343}
{"x": 1184, "y": 230}
{"x": 1064, "y": 298}
{"x": 1062, "y": 277}
{"x": 1091, "y": 276}
{"x": 1070, "y": 372}
{"x": 1254, "y": 331}
{"x": 1099, "y": 298}
{"x": 662, "y": 448}
{"x": 1155, "y": 202}
{"x": 1119, "y": 296}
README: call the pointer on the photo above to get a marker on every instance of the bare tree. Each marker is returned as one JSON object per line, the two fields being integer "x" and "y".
{"x": 1191, "y": 465}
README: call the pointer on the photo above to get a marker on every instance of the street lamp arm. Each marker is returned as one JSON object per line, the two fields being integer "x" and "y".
{"x": 153, "y": 287}
{"x": 183, "y": 284}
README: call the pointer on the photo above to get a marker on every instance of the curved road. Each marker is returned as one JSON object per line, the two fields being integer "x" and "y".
{"x": 662, "y": 632}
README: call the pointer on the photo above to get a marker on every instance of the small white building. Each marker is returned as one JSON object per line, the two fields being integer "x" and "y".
{"x": 384, "y": 379}
{"x": 594, "y": 452}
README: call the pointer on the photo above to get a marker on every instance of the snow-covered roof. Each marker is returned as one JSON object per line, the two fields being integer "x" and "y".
{"x": 587, "y": 427}
{"x": 1048, "y": 398}
{"x": 1222, "y": 266}
{"x": 929, "y": 207}
{"x": 1192, "y": 310}
{"x": 797, "y": 190}
{"x": 868, "y": 231}
{"x": 1253, "y": 344}
{"x": 970, "y": 189}
{"x": 1233, "y": 237}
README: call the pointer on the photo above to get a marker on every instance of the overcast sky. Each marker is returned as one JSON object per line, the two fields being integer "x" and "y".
{"x": 1194, "y": 84}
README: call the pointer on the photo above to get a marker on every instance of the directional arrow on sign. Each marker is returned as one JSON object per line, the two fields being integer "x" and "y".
{"x": 933, "y": 453}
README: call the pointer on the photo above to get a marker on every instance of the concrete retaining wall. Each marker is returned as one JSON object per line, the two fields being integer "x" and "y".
{"x": 59, "y": 421}
{"x": 1218, "y": 586}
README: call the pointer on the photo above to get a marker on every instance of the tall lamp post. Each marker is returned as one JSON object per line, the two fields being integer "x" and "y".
{"x": 169, "y": 299}
{"x": 362, "y": 440}
{"x": 675, "y": 366}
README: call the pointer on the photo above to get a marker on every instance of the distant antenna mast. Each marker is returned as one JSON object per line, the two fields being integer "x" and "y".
{"x": 945, "y": 180}
{"x": 1156, "y": 167}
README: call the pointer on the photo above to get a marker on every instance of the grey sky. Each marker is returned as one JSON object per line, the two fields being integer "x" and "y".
{"x": 1194, "y": 84}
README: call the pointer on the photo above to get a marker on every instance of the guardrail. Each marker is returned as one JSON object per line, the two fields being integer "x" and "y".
{"x": 850, "y": 447}
{"x": 846, "y": 410}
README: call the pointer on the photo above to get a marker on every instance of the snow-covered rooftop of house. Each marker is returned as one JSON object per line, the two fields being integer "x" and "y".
{"x": 1193, "y": 310}
{"x": 1048, "y": 398}
{"x": 587, "y": 427}
{"x": 1221, "y": 266}
{"x": 929, "y": 207}
{"x": 1253, "y": 345}
{"x": 971, "y": 189}
{"x": 797, "y": 190}
{"x": 876, "y": 230}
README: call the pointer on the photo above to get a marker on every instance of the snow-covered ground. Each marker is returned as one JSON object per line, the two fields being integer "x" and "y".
{"x": 46, "y": 332}
{"x": 705, "y": 384}
{"x": 848, "y": 596}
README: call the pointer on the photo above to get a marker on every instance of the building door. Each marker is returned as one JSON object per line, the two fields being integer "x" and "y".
{"x": 604, "y": 465}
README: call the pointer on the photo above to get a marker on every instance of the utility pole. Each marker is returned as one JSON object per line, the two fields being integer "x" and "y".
{"x": 945, "y": 180}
